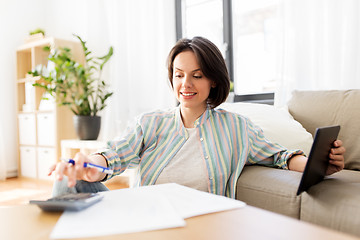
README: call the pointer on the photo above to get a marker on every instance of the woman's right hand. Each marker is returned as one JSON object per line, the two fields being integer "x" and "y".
{"x": 77, "y": 171}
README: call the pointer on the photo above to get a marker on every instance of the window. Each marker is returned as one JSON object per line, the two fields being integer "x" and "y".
{"x": 245, "y": 32}
{"x": 254, "y": 45}
{"x": 206, "y": 18}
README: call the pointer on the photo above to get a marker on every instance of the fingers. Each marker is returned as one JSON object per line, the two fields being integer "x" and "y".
{"x": 51, "y": 169}
{"x": 87, "y": 174}
{"x": 59, "y": 170}
{"x": 76, "y": 171}
{"x": 336, "y": 155}
{"x": 337, "y": 143}
{"x": 336, "y": 164}
{"x": 337, "y": 151}
{"x": 339, "y": 162}
{"x": 79, "y": 159}
{"x": 73, "y": 172}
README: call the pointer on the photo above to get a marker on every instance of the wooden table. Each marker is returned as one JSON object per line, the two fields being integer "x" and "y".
{"x": 29, "y": 222}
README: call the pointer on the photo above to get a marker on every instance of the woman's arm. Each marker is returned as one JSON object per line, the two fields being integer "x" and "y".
{"x": 298, "y": 162}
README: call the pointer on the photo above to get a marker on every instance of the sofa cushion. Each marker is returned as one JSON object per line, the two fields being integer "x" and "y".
{"x": 278, "y": 125}
{"x": 324, "y": 108}
{"x": 334, "y": 202}
{"x": 271, "y": 189}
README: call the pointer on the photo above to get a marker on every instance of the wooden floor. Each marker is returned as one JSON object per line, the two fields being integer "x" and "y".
{"x": 18, "y": 191}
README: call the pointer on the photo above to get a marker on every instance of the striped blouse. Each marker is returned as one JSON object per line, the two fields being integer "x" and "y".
{"x": 228, "y": 142}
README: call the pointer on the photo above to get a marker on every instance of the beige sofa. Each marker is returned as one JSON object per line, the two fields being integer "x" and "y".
{"x": 333, "y": 203}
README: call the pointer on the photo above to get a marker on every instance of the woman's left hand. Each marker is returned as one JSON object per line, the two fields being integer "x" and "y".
{"x": 336, "y": 162}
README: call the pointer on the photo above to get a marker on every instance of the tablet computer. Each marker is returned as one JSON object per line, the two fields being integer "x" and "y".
{"x": 71, "y": 201}
{"x": 318, "y": 160}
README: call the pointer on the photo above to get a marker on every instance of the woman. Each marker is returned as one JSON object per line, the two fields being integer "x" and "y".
{"x": 195, "y": 144}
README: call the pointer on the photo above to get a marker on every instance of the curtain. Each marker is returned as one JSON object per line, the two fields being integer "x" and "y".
{"x": 142, "y": 33}
{"x": 319, "y": 46}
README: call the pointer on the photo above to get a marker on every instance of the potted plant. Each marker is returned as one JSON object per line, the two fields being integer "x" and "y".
{"x": 77, "y": 86}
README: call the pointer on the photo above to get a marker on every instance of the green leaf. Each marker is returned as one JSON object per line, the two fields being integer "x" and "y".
{"x": 106, "y": 57}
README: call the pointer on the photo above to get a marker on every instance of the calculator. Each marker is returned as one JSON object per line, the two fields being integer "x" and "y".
{"x": 71, "y": 201}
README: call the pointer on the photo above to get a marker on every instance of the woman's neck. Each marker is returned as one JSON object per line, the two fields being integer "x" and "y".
{"x": 189, "y": 115}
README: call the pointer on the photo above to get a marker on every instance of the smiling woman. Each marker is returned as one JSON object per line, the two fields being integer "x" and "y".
{"x": 198, "y": 76}
{"x": 190, "y": 87}
{"x": 209, "y": 60}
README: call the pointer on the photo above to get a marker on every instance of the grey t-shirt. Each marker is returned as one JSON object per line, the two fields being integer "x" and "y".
{"x": 187, "y": 167}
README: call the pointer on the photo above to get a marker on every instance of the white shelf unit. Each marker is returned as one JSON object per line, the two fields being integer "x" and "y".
{"x": 40, "y": 131}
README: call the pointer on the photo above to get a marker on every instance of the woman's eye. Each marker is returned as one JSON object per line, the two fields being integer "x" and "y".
{"x": 197, "y": 76}
{"x": 177, "y": 75}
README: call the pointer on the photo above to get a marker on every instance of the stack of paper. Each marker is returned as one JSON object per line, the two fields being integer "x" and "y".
{"x": 140, "y": 209}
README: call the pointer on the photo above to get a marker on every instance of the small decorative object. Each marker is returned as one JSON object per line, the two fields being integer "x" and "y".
{"x": 77, "y": 86}
{"x": 37, "y": 31}
{"x": 29, "y": 97}
{"x": 35, "y": 35}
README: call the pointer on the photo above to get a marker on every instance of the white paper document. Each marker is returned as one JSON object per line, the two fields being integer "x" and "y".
{"x": 140, "y": 209}
{"x": 189, "y": 202}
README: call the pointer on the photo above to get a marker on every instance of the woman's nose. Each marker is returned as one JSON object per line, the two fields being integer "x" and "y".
{"x": 187, "y": 81}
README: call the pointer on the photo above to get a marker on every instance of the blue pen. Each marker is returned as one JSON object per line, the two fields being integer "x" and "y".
{"x": 90, "y": 165}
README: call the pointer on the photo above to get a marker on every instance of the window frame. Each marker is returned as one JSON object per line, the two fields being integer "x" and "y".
{"x": 267, "y": 98}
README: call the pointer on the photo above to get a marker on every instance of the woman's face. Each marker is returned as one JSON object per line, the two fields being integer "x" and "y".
{"x": 191, "y": 87}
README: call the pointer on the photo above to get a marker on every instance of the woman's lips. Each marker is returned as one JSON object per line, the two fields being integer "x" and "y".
{"x": 187, "y": 94}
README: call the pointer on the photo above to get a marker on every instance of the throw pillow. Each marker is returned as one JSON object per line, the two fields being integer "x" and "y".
{"x": 278, "y": 125}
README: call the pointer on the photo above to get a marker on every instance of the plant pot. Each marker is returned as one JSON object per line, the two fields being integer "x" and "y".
{"x": 87, "y": 127}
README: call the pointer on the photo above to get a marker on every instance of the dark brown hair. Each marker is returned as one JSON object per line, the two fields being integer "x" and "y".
{"x": 211, "y": 63}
